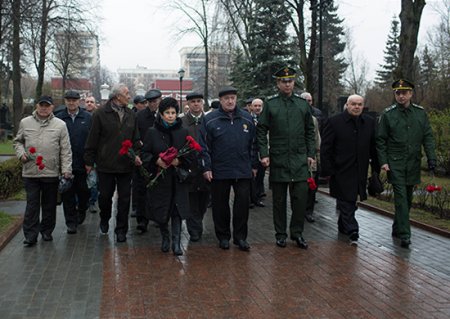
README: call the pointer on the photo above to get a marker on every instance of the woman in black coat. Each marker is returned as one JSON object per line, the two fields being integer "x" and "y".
{"x": 168, "y": 199}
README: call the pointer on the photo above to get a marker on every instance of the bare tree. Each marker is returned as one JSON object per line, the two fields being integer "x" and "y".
{"x": 201, "y": 17}
{"x": 356, "y": 74}
{"x": 410, "y": 16}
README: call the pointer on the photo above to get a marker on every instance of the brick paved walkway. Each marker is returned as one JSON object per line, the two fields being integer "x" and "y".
{"x": 87, "y": 275}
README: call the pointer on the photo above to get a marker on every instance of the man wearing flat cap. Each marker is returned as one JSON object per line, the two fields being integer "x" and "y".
{"x": 226, "y": 138}
{"x": 287, "y": 119}
{"x": 145, "y": 119}
{"x": 199, "y": 187}
{"x": 76, "y": 199}
{"x": 42, "y": 144}
{"x": 402, "y": 131}
{"x": 140, "y": 102}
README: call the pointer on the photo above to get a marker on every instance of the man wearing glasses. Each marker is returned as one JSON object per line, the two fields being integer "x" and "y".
{"x": 402, "y": 131}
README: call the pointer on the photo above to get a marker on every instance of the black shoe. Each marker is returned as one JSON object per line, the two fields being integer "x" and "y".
{"x": 195, "y": 237}
{"x": 405, "y": 243}
{"x": 260, "y": 204}
{"x": 29, "y": 243}
{"x": 47, "y": 237}
{"x": 176, "y": 248}
{"x": 242, "y": 243}
{"x": 165, "y": 244}
{"x": 81, "y": 217}
{"x": 104, "y": 227}
{"x": 251, "y": 206}
{"x": 354, "y": 236}
{"x": 71, "y": 230}
{"x": 224, "y": 244}
{"x": 301, "y": 242}
{"x": 281, "y": 242}
{"x": 262, "y": 195}
{"x": 121, "y": 237}
{"x": 142, "y": 227}
{"x": 310, "y": 218}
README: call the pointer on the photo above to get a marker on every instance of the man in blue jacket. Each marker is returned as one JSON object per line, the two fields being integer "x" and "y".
{"x": 226, "y": 137}
{"x": 76, "y": 199}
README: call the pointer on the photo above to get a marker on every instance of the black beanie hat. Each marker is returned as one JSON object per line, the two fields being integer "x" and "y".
{"x": 167, "y": 103}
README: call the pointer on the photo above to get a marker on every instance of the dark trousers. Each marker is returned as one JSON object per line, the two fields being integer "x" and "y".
{"x": 347, "y": 222}
{"x": 259, "y": 180}
{"x": 220, "y": 197}
{"x": 107, "y": 183}
{"x": 40, "y": 192}
{"x": 402, "y": 198}
{"x": 298, "y": 192}
{"x": 198, "y": 203}
{"x": 79, "y": 195}
{"x": 139, "y": 197}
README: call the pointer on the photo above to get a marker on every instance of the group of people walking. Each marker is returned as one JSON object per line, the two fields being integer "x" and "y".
{"x": 175, "y": 165}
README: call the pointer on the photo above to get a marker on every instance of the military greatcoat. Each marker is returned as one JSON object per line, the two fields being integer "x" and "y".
{"x": 401, "y": 134}
{"x": 291, "y": 137}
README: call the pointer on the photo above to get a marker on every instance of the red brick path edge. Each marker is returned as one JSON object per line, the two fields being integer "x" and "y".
{"x": 12, "y": 230}
{"x": 413, "y": 222}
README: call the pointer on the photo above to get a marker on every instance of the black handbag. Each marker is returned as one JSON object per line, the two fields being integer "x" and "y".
{"x": 182, "y": 174}
{"x": 375, "y": 185}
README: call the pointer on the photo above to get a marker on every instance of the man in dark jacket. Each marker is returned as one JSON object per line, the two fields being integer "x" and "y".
{"x": 287, "y": 119}
{"x": 348, "y": 144}
{"x": 199, "y": 188}
{"x": 111, "y": 126}
{"x": 145, "y": 119}
{"x": 76, "y": 199}
{"x": 226, "y": 138}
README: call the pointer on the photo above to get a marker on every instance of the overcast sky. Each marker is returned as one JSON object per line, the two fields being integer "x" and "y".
{"x": 142, "y": 33}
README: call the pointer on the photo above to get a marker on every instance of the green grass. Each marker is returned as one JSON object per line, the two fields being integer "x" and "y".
{"x": 6, "y": 148}
{"x": 20, "y": 195}
{"x": 5, "y": 221}
{"x": 419, "y": 215}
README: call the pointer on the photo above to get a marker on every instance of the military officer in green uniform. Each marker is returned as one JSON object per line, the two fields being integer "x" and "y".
{"x": 402, "y": 131}
{"x": 288, "y": 151}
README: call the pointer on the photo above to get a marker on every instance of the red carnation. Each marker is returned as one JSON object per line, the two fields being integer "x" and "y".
{"x": 32, "y": 150}
{"x": 123, "y": 151}
{"x": 169, "y": 155}
{"x": 193, "y": 143}
{"x": 430, "y": 188}
{"x": 311, "y": 183}
{"x": 41, "y": 166}
{"x": 39, "y": 159}
{"x": 438, "y": 188}
{"x": 127, "y": 144}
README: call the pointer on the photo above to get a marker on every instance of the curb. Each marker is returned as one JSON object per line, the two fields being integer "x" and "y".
{"x": 11, "y": 232}
{"x": 389, "y": 214}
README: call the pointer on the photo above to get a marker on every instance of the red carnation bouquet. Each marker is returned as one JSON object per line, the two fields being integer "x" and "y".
{"x": 311, "y": 182}
{"x": 127, "y": 149}
{"x": 172, "y": 153}
{"x": 38, "y": 159}
{"x": 431, "y": 188}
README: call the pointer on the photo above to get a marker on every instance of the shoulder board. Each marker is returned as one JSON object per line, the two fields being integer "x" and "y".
{"x": 390, "y": 108}
{"x": 272, "y": 97}
{"x": 417, "y": 106}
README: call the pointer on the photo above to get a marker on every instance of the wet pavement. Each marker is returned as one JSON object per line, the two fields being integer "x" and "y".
{"x": 89, "y": 275}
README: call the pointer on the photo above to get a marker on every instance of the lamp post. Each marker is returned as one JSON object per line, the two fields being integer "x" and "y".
{"x": 322, "y": 6}
{"x": 104, "y": 92}
{"x": 181, "y": 74}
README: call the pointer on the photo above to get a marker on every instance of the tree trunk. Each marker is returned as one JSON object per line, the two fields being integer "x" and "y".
{"x": 410, "y": 16}
{"x": 42, "y": 49}
{"x": 16, "y": 72}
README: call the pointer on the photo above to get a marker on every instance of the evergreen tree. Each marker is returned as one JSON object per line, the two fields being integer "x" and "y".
{"x": 334, "y": 65}
{"x": 385, "y": 75}
{"x": 268, "y": 47}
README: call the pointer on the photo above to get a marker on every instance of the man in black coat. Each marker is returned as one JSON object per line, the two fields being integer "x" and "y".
{"x": 348, "y": 143}
{"x": 145, "y": 119}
